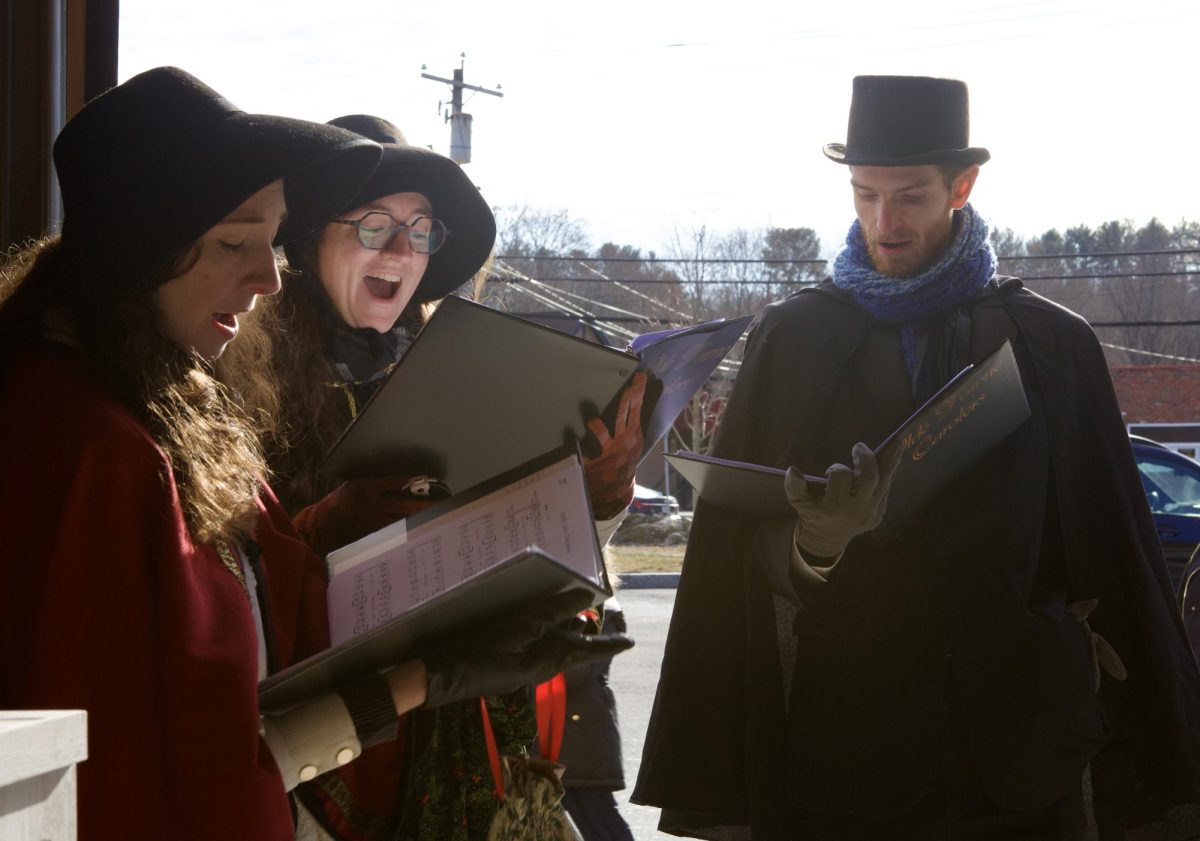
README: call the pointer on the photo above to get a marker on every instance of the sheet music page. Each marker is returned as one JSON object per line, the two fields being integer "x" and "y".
{"x": 386, "y": 574}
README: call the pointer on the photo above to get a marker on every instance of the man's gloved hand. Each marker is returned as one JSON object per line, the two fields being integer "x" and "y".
{"x": 358, "y": 507}
{"x": 610, "y": 474}
{"x": 854, "y": 502}
{"x": 523, "y": 649}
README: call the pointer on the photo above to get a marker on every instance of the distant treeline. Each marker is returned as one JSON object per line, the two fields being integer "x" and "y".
{"x": 1134, "y": 283}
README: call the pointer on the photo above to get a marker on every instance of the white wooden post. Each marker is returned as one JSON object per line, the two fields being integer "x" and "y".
{"x": 38, "y": 752}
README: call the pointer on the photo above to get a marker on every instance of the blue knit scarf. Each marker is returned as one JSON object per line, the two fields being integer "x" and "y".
{"x": 912, "y": 302}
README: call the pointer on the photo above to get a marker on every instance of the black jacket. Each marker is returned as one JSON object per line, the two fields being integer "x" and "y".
{"x": 976, "y": 586}
{"x": 591, "y": 747}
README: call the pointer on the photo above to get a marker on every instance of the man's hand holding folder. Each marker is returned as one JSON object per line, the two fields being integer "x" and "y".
{"x": 852, "y": 501}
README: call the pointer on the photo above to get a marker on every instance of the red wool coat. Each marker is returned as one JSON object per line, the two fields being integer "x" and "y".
{"x": 106, "y": 605}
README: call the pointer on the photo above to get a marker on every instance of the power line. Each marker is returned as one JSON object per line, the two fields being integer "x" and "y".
{"x": 620, "y": 285}
{"x": 680, "y": 280}
{"x": 548, "y": 300}
{"x": 609, "y": 323}
{"x": 674, "y": 281}
{"x": 789, "y": 282}
{"x": 588, "y": 319}
{"x": 1165, "y": 252}
{"x": 633, "y": 315}
{"x": 668, "y": 321}
{"x": 566, "y": 311}
{"x": 1194, "y": 323}
{"x": 1182, "y": 273}
{"x": 572, "y": 258}
{"x": 1150, "y": 353}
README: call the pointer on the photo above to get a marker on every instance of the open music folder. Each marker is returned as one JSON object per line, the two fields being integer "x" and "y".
{"x": 520, "y": 537}
{"x": 977, "y": 409}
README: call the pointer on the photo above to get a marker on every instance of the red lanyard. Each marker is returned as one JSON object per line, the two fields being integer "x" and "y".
{"x": 551, "y": 720}
{"x": 551, "y": 715}
{"x": 493, "y": 753}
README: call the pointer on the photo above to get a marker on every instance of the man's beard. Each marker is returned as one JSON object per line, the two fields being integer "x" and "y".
{"x": 920, "y": 256}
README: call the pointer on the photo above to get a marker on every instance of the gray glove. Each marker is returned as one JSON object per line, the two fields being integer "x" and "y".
{"x": 853, "y": 502}
{"x": 514, "y": 651}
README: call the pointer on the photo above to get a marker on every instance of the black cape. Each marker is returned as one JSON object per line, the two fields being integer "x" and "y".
{"x": 712, "y": 758}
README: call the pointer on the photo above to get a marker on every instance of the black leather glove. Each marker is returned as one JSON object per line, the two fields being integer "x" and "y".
{"x": 515, "y": 651}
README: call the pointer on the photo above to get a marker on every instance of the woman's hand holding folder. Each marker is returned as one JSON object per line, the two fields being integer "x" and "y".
{"x": 520, "y": 649}
{"x": 361, "y": 506}
{"x": 610, "y": 473}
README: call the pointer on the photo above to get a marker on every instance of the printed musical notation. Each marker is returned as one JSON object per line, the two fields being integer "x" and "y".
{"x": 372, "y": 597}
{"x": 547, "y": 509}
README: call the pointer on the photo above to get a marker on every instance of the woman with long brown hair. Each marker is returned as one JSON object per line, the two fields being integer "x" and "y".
{"x": 357, "y": 292}
{"x": 146, "y": 573}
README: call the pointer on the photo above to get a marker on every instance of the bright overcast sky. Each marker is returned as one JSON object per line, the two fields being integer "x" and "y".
{"x": 643, "y": 117}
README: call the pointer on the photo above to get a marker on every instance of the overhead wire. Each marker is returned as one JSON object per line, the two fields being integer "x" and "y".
{"x": 1159, "y": 252}
{"x": 797, "y": 283}
{"x": 555, "y": 302}
{"x": 548, "y": 298}
{"x": 553, "y": 298}
{"x": 621, "y": 285}
{"x": 635, "y": 315}
{"x": 1150, "y": 353}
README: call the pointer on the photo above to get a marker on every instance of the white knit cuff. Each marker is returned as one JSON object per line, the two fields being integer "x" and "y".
{"x": 605, "y": 529}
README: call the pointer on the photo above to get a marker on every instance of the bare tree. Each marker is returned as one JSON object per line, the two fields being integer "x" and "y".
{"x": 692, "y": 250}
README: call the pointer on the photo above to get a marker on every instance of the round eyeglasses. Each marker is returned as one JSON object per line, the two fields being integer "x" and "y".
{"x": 378, "y": 230}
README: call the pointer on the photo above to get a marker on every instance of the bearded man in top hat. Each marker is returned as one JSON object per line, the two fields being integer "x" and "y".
{"x": 825, "y": 680}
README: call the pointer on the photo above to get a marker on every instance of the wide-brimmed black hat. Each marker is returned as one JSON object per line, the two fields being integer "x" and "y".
{"x": 455, "y": 199}
{"x": 907, "y": 121}
{"x": 147, "y": 167}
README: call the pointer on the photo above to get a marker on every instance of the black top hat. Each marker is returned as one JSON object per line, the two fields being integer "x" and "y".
{"x": 150, "y": 165}
{"x": 456, "y": 201}
{"x": 907, "y": 121}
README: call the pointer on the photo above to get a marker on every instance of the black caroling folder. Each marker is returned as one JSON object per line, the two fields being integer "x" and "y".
{"x": 480, "y": 391}
{"x": 517, "y": 538}
{"x": 973, "y": 412}
{"x": 493, "y": 406}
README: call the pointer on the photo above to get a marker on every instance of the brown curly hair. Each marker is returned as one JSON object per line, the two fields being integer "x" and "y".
{"x": 215, "y": 457}
{"x": 311, "y": 414}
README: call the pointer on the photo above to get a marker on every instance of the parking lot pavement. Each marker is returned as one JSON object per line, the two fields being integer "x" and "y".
{"x": 634, "y": 677}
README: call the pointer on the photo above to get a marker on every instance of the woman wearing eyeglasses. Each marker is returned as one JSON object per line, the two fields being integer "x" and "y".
{"x": 147, "y": 575}
{"x": 356, "y": 293}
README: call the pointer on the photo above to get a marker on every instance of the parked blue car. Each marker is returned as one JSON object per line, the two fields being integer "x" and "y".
{"x": 1172, "y": 484}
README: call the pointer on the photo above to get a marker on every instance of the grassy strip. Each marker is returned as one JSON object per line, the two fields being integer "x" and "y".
{"x": 631, "y": 558}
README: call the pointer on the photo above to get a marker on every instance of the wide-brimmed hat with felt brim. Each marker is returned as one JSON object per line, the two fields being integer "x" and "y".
{"x": 907, "y": 121}
{"x": 149, "y": 166}
{"x": 455, "y": 199}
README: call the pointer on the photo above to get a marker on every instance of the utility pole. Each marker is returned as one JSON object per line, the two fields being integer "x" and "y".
{"x": 460, "y": 123}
